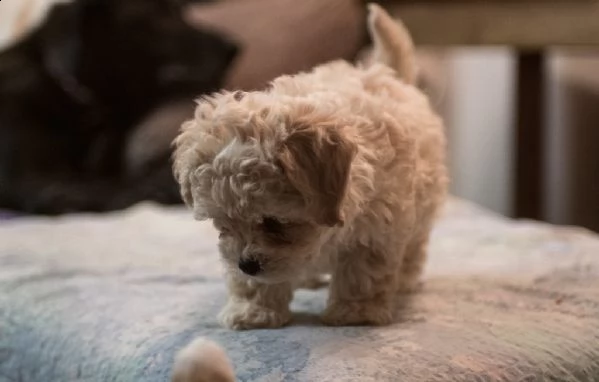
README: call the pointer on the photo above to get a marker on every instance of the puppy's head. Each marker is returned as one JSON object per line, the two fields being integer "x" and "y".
{"x": 272, "y": 173}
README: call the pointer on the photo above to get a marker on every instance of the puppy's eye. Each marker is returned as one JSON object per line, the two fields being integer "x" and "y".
{"x": 271, "y": 225}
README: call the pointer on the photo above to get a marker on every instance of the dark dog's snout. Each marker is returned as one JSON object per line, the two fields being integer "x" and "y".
{"x": 250, "y": 266}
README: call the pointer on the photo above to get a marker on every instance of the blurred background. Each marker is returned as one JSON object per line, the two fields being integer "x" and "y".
{"x": 518, "y": 85}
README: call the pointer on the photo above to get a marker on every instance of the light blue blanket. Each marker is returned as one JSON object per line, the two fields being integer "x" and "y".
{"x": 113, "y": 297}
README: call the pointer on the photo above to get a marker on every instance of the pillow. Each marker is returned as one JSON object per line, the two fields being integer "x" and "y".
{"x": 277, "y": 37}
{"x": 283, "y": 36}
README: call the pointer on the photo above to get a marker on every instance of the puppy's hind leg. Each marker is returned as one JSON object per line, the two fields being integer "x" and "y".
{"x": 416, "y": 252}
{"x": 412, "y": 264}
{"x": 253, "y": 305}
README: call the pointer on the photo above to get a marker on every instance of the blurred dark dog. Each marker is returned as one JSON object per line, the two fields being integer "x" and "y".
{"x": 74, "y": 91}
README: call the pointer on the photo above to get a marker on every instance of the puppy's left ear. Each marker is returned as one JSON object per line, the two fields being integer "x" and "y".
{"x": 317, "y": 161}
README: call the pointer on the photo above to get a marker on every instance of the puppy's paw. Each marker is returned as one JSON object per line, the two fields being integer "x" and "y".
{"x": 246, "y": 315}
{"x": 354, "y": 313}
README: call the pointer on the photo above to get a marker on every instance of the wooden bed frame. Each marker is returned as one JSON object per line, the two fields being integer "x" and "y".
{"x": 531, "y": 27}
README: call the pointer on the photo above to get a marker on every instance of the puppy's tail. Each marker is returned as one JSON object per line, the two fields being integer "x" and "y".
{"x": 202, "y": 361}
{"x": 393, "y": 44}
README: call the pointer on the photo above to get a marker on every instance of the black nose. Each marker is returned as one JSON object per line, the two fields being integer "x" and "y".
{"x": 250, "y": 266}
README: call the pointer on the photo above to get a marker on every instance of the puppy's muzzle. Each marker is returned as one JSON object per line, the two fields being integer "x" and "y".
{"x": 250, "y": 266}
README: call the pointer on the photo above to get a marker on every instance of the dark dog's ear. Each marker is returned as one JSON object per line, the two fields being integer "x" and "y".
{"x": 61, "y": 41}
{"x": 317, "y": 161}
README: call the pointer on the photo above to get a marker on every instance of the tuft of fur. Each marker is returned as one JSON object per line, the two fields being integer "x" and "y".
{"x": 202, "y": 361}
{"x": 339, "y": 170}
{"x": 393, "y": 45}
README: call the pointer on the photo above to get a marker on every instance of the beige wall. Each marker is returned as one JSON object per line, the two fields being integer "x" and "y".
{"x": 480, "y": 126}
{"x": 481, "y": 132}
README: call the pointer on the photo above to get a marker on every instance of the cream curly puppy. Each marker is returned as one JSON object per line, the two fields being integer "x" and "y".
{"x": 338, "y": 170}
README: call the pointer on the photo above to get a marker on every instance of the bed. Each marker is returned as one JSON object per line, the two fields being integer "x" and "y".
{"x": 113, "y": 297}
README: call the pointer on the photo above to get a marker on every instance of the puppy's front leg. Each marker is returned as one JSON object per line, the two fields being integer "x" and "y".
{"x": 363, "y": 288}
{"x": 253, "y": 305}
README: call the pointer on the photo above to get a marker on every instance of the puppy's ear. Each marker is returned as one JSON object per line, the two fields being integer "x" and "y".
{"x": 185, "y": 160}
{"x": 194, "y": 148}
{"x": 317, "y": 162}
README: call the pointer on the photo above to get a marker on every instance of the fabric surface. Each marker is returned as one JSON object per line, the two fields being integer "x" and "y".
{"x": 5, "y": 215}
{"x": 113, "y": 297}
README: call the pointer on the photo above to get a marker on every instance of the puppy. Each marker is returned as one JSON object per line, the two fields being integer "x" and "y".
{"x": 338, "y": 170}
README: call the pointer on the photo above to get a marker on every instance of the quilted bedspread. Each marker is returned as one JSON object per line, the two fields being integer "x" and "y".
{"x": 113, "y": 297}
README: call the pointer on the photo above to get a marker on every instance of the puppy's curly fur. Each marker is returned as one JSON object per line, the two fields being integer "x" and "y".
{"x": 341, "y": 169}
